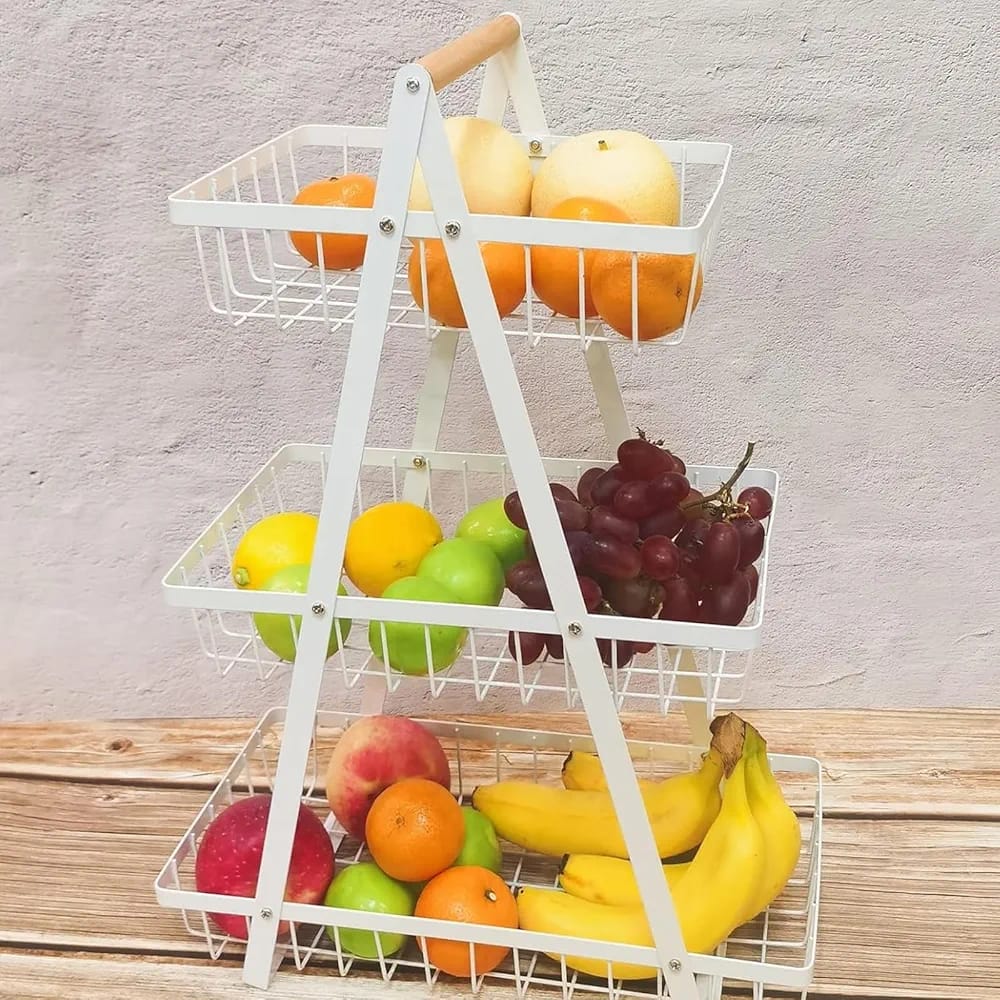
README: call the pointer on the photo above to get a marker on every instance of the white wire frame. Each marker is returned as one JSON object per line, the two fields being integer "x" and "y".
{"x": 293, "y": 479}
{"x": 776, "y": 949}
{"x": 241, "y": 215}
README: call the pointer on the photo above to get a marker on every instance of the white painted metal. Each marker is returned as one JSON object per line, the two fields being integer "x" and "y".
{"x": 497, "y": 366}
{"x": 249, "y": 273}
{"x": 293, "y": 478}
{"x": 777, "y": 950}
{"x": 358, "y": 390}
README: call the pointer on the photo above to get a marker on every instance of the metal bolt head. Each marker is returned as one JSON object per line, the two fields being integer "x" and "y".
{"x": 413, "y": 85}
{"x": 452, "y": 229}
{"x": 266, "y": 913}
{"x": 318, "y": 608}
{"x": 574, "y": 628}
{"x": 674, "y": 965}
{"x": 419, "y": 461}
{"x": 386, "y": 225}
{"x": 534, "y": 146}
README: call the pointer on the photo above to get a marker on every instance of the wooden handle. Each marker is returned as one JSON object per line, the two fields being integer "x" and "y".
{"x": 466, "y": 52}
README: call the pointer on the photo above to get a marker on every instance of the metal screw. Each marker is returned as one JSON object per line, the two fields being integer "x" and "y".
{"x": 386, "y": 225}
{"x": 452, "y": 229}
{"x": 413, "y": 85}
{"x": 419, "y": 461}
{"x": 318, "y": 609}
{"x": 674, "y": 965}
{"x": 534, "y": 146}
{"x": 574, "y": 628}
{"x": 266, "y": 913}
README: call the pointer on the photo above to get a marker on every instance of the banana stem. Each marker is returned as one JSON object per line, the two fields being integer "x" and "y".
{"x": 728, "y": 738}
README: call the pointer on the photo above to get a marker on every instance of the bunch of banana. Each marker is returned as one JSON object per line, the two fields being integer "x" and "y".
{"x": 572, "y": 820}
{"x": 743, "y": 863}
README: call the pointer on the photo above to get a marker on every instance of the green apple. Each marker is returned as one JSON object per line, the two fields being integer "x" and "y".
{"x": 480, "y": 846}
{"x": 488, "y": 523}
{"x": 407, "y": 645}
{"x": 469, "y": 569}
{"x": 276, "y": 631}
{"x": 366, "y": 887}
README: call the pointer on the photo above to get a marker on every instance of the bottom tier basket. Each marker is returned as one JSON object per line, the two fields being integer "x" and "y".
{"x": 774, "y": 952}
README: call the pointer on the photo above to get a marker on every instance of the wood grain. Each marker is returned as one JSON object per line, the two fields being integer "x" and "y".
{"x": 917, "y": 764}
{"x": 76, "y": 977}
{"x": 909, "y": 907}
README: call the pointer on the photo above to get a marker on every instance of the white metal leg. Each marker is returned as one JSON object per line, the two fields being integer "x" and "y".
{"x": 690, "y": 686}
{"x": 521, "y": 448}
{"x": 353, "y": 412}
{"x": 430, "y": 411}
{"x": 608, "y": 393}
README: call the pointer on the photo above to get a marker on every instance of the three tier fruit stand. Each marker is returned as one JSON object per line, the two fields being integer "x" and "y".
{"x": 240, "y": 215}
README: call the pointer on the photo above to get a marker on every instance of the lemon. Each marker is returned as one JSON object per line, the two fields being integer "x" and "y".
{"x": 386, "y": 543}
{"x": 272, "y": 544}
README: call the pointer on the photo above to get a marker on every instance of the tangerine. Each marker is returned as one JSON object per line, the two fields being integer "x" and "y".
{"x": 414, "y": 829}
{"x": 663, "y": 283}
{"x": 504, "y": 264}
{"x": 387, "y": 542}
{"x": 469, "y": 895}
{"x": 341, "y": 251}
{"x": 555, "y": 271}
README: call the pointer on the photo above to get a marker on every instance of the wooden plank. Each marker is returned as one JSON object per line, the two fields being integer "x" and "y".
{"x": 909, "y": 907}
{"x": 920, "y": 764}
{"x": 78, "y": 977}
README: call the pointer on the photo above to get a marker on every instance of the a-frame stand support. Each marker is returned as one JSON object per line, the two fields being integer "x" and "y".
{"x": 415, "y": 129}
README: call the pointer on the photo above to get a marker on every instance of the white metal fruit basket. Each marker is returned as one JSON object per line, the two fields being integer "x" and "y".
{"x": 294, "y": 479}
{"x": 242, "y": 217}
{"x": 242, "y": 213}
{"x": 777, "y": 949}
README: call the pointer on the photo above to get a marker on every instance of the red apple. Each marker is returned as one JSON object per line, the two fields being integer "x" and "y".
{"x": 375, "y": 752}
{"x": 228, "y": 859}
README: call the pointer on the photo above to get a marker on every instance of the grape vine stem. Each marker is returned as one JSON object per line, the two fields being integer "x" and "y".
{"x": 724, "y": 494}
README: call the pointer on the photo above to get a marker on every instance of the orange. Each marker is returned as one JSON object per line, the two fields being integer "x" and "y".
{"x": 504, "y": 268}
{"x": 664, "y": 281}
{"x": 469, "y": 895}
{"x": 386, "y": 543}
{"x": 414, "y": 829}
{"x": 555, "y": 271}
{"x": 341, "y": 251}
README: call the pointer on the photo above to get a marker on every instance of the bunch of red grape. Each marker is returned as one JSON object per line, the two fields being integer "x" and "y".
{"x": 646, "y": 544}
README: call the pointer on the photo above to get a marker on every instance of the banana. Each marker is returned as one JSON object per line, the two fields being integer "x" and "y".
{"x": 550, "y": 911}
{"x": 558, "y": 821}
{"x": 711, "y": 898}
{"x": 583, "y": 771}
{"x": 608, "y": 880}
{"x": 776, "y": 819}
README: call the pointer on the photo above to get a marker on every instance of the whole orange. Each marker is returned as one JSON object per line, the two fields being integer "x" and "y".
{"x": 341, "y": 251}
{"x": 555, "y": 271}
{"x": 663, "y": 281}
{"x": 504, "y": 268}
{"x": 414, "y": 829}
{"x": 469, "y": 895}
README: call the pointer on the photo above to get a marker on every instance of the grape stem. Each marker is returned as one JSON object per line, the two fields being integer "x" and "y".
{"x": 723, "y": 496}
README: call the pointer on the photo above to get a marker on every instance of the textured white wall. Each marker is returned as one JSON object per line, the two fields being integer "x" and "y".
{"x": 851, "y": 325}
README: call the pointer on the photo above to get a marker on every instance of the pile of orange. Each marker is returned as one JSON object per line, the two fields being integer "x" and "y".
{"x": 415, "y": 830}
{"x": 568, "y": 280}
{"x": 603, "y": 279}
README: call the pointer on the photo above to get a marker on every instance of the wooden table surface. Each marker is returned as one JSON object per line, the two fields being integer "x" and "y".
{"x": 90, "y": 811}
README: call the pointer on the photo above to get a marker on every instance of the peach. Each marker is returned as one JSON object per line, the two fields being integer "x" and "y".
{"x": 373, "y": 753}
